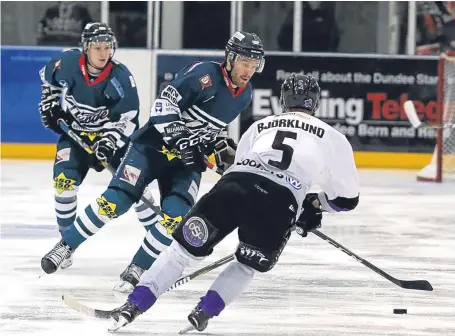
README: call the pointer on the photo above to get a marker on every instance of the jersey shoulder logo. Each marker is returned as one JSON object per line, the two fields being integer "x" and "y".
{"x": 205, "y": 81}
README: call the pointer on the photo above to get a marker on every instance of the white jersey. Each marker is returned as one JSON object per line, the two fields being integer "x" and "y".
{"x": 298, "y": 151}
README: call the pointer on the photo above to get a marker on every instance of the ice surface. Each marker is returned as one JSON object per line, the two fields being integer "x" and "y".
{"x": 402, "y": 226}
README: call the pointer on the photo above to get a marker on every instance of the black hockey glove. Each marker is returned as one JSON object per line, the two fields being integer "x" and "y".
{"x": 225, "y": 149}
{"x": 311, "y": 217}
{"x": 50, "y": 109}
{"x": 193, "y": 158}
{"x": 103, "y": 151}
{"x": 189, "y": 146}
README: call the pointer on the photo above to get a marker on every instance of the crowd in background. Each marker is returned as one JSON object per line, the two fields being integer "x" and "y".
{"x": 326, "y": 26}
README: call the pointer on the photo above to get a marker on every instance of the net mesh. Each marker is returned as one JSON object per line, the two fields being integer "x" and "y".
{"x": 448, "y": 134}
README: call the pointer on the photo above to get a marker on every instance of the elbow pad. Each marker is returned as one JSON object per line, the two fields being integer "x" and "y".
{"x": 338, "y": 204}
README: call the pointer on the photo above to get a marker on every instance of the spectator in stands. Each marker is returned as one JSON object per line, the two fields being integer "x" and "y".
{"x": 435, "y": 27}
{"x": 320, "y": 31}
{"x": 129, "y": 21}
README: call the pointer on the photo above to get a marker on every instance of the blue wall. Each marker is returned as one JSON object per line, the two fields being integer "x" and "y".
{"x": 21, "y": 93}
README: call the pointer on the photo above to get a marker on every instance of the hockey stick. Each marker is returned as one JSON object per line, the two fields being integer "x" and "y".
{"x": 65, "y": 128}
{"x": 411, "y": 113}
{"x": 408, "y": 284}
{"x": 151, "y": 203}
{"x": 106, "y": 314}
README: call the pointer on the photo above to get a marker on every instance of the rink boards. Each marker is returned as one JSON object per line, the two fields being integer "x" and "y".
{"x": 362, "y": 97}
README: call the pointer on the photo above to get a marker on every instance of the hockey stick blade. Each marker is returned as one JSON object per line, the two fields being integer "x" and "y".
{"x": 416, "y": 284}
{"x": 106, "y": 314}
{"x": 79, "y": 307}
{"x": 411, "y": 113}
{"x": 407, "y": 284}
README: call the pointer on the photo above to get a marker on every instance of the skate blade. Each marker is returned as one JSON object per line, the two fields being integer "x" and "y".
{"x": 124, "y": 287}
{"x": 186, "y": 329}
{"x": 116, "y": 325}
{"x": 42, "y": 274}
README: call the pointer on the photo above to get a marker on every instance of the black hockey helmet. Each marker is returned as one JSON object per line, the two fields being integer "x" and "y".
{"x": 300, "y": 92}
{"x": 98, "y": 32}
{"x": 247, "y": 45}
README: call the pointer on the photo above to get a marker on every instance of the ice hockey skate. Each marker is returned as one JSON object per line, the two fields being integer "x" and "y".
{"x": 124, "y": 315}
{"x": 55, "y": 257}
{"x": 199, "y": 320}
{"x": 129, "y": 279}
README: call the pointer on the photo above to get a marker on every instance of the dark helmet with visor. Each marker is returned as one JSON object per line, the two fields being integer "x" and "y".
{"x": 248, "y": 45}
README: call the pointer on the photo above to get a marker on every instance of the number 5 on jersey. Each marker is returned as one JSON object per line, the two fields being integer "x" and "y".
{"x": 287, "y": 150}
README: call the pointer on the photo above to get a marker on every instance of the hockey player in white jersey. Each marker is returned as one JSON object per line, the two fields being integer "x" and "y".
{"x": 264, "y": 194}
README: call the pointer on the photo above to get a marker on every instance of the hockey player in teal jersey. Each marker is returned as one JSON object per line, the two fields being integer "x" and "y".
{"x": 98, "y": 98}
{"x": 187, "y": 121}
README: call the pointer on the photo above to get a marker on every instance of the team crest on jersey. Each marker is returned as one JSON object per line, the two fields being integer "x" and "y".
{"x": 90, "y": 117}
{"x": 63, "y": 155}
{"x": 205, "y": 81}
{"x": 293, "y": 183}
{"x": 130, "y": 174}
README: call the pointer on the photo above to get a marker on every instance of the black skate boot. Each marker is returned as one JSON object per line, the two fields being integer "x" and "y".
{"x": 199, "y": 319}
{"x": 124, "y": 315}
{"x": 54, "y": 258}
{"x": 129, "y": 278}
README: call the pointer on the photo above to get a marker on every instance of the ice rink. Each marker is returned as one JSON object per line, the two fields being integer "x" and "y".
{"x": 404, "y": 227}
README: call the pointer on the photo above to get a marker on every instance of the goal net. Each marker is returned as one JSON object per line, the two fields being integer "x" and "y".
{"x": 442, "y": 165}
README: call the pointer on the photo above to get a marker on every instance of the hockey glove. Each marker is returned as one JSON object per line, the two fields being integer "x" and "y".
{"x": 50, "y": 109}
{"x": 103, "y": 151}
{"x": 311, "y": 217}
{"x": 193, "y": 158}
{"x": 225, "y": 149}
{"x": 187, "y": 144}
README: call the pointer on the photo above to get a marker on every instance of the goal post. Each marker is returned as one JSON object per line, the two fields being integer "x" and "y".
{"x": 442, "y": 165}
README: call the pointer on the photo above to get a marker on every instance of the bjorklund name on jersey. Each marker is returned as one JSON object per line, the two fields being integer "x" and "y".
{"x": 292, "y": 123}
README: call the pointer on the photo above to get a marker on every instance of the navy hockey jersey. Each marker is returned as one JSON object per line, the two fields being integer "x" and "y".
{"x": 107, "y": 104}
{"x": 202, "y": 98}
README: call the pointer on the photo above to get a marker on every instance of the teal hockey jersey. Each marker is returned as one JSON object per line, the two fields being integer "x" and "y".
{"x": 102, "y": 105}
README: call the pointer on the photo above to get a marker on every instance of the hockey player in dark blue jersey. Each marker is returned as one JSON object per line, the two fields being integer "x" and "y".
{"x": 187, "y": 121}
{"x": 97, "y": 97}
